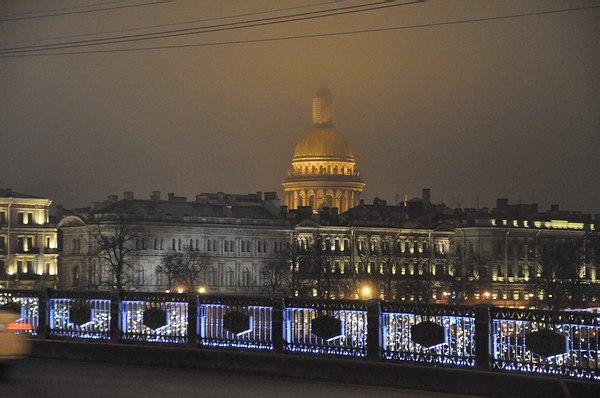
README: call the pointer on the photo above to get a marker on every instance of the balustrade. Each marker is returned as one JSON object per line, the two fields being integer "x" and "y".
{"x": 562, "y": 343}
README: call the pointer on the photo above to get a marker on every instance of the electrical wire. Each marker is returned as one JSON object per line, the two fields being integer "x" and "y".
{"x": 276, "y": 10}
{"x": 211, "y": 28}
{"x": 310, "y": 36}
{"x": 61, "y": 9}
{"x": 21, "y": 18}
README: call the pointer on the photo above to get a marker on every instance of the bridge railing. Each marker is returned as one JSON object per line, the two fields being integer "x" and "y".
{"x": 81, "y": 315}
{"x": 428, "y": 333}
{"x": 235, "y": 322}
{"x": 325, "y": 327}
{"x": 563, "y": 343}
{"x": 27, "y": 304}
{"x": 154, "y": 318}
{"x": 488, "y": 338}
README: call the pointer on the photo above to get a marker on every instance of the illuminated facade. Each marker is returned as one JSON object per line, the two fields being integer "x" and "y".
{"x": 521, "y": 257}
{"x": 237, "y": 236}
{"x": 28, "y": 241}
{"x": 323, "y": 171}
{"x": 513, "y": 255}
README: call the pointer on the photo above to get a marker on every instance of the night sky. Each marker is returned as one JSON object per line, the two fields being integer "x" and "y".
{"x": 502, "y": 107}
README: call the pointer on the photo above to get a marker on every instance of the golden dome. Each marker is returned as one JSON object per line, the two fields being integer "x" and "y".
{"x": 323, "y": 142}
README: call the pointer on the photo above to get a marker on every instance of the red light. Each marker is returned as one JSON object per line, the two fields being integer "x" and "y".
{"x": 19, "y": 326}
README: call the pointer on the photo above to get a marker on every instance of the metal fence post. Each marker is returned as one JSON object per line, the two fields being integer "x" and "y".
{"x": 373, "y": 331}
{"x": 483, "y": 336}
{"x": 277, "y": 325}
{"x": 192, "y": 326}
{"x": 115, "y": 317}
{"x": 43, "y": 308}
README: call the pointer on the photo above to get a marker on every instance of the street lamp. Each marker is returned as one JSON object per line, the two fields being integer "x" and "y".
{"x": 366, "y": 292}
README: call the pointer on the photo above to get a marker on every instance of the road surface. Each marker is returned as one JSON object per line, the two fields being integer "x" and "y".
{"x": 65, "y": 379}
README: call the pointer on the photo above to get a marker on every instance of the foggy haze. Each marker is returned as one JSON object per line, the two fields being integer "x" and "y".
{"x": 474, "y": 111}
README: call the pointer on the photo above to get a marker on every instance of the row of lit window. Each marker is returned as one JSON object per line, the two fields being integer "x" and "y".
{"x": 25, "y": 218}
{"x": 27, "y": 243}
{"x": 553, "y": 224}
{"x": 29, "y": 266}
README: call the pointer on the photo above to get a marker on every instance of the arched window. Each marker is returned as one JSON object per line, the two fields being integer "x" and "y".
{"x": 139, "y": 275}
{"x": 246, "y": 277}
{"x": 159, "y": 276}
{"x": 211, "y": 276}
{"x": 229, "y": 275}
{"x": 76, "y": 276}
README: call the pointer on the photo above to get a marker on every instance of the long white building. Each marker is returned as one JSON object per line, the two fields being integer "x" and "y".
{"x": 238, "y": 235}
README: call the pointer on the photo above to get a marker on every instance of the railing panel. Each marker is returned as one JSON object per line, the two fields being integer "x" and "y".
{"x": 301, "y": 334}
{"x": 562, "y": 343}
{"x": 154, "y": 318}
{"x": 79, "y": 315}
{"x": 433, "y": 334}
{"x": 29, "y": 303}
{"x": 235, "y": 322}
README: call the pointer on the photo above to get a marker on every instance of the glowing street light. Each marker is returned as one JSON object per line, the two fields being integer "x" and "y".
{"x": 201, "y": 290}
{"x": 366, "y": 292}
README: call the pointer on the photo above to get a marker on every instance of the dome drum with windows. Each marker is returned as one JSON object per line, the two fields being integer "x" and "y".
{"x": 323, "y": 172}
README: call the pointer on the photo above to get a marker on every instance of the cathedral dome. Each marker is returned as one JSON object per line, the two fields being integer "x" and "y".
{"x": 323, "y": 142}
{"x": 323, "y": 172}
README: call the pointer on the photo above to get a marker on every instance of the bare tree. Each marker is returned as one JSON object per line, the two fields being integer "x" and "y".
{"x": 464, "y": 280}
{"x": 560, "y": 279}
{"x": 277, "y": 278}
{"x": 169, "y": 267}
{"x": 115, "y": 248}
{"x": 185, "y": 266}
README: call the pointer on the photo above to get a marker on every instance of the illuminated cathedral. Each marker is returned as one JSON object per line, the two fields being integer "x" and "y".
{"x": 323, "y": 172}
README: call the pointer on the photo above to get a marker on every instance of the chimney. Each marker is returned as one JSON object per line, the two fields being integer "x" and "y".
{"x": 284, "y": 210}
{"x": 227, "y": 211}
{"x": 221, "y": 197}
{"x": 259, "y": 195}
{"x": 128, "y": 195}
{"x": 155, "y": 196}
{"x": 270, "y": 195}
{"x": 426, "y": 199}
{"x": 171, "y": 196}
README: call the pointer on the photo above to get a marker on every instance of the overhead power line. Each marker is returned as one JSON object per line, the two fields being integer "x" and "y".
{"x": 248, "y": 14}
{"x": 310, "y": 36}
{"x": 24, "y": 16}
{"x": 260, "y": 22}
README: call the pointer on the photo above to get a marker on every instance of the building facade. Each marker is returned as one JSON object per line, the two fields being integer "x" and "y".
{"x": 28, "y": 241}
{"x": 323, "y": 171}
{"x": 235, "y": 238}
